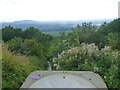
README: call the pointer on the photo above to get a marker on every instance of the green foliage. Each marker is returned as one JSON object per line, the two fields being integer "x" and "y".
{"x": 31, "y": 47}
{"x": 112, "y": 40}
{"x": 113, "y": 26}
{"x": 88, "y": 57}
{"x": 15, "y": 44}
{"x": 30, "y": 33}
{"x": 28, "y": 47}
{"x": 86, "y": 48}
{"x": 16, "y": 68}
{"x": 57, "y": 45}
{"x": 9, "y": 33}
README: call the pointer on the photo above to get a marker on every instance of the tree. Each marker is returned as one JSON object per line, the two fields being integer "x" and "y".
{"x": 30, "y": 33}
{"x": 10, "y": 32}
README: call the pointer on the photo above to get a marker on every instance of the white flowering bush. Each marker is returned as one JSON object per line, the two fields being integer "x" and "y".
{"x": 87, "y": 57}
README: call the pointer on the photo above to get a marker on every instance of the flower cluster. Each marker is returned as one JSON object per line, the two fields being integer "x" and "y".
{"x": 90, "y": 47}
{"x": 106, "y": 48}
{"x": 89, "y": 57}
{"x": 75, "y": 53}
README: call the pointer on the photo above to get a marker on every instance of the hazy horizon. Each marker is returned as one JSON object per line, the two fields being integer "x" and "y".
{"x": 57, "y": 10}
{"x": 58, "y": 20}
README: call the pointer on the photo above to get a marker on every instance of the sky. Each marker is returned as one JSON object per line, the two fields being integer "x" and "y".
{"x": 47, "y": 10}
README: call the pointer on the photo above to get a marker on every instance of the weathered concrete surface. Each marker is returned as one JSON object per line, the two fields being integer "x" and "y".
{"x": 64, "y": 79}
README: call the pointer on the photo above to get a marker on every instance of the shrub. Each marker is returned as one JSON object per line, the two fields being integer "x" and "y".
{"x": 16, "y": 68}
{"x": 87, "y": 57}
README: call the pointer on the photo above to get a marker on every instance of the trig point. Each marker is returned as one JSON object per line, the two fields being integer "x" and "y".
{"x": 63, "y": 79}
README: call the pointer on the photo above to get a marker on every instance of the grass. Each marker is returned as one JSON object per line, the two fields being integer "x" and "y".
{"x": 16, "y": 67}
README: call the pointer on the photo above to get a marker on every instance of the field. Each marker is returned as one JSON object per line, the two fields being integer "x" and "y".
{"x": 56, "y": 33}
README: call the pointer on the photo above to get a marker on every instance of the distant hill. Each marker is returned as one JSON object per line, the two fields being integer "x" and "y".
{"x": 48, "y": 26}
{"x": 25, "y": 21}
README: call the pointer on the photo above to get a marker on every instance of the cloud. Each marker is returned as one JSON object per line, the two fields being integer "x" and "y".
{"x": 57, "y": 9}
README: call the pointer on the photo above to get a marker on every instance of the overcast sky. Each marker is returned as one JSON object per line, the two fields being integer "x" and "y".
{"x": 43, "y": 10}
